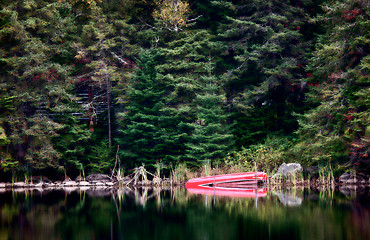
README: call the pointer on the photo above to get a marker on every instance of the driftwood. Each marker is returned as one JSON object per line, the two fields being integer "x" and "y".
{"x": 138, "y": 178}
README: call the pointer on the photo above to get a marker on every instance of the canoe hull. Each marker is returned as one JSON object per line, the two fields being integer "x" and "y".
{"x": 236, "y": 179}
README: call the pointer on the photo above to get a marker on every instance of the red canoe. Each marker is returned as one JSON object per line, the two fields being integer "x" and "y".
{"x": 236, "y": 185}
{"x": 234, "y": 179}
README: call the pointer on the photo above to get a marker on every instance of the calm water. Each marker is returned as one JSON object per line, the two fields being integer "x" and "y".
{"x": 177, "y": 214}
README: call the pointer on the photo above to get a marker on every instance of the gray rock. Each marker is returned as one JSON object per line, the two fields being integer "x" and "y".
{"x": 19, "y": 185}
{"x": 345, "y": 177}
{"x": 84, "y": 183}
{"x": 70, "y": 183}
{"x": 39, "y": 185}
{"x": 286, "y": 170}
{"x": 352, "y": 178}
{"x": 79, "y": 179}
{"x": 98, "y": 177}
{"x": 49, "y": 185}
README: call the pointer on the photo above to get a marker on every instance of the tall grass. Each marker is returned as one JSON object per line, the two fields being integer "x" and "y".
{"x": 296, "y": 178}
{"x": 326, "y": 175}
{"x": 178, "y": 174}
{"x": 82, "y": 171}
{"x": 157, "y": 180}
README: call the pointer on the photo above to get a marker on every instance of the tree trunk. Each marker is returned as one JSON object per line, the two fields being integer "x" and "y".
{"x": 109, "y": 120}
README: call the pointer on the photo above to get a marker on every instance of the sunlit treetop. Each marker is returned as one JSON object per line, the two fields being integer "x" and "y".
{"x": 172, "y": 14}
{"x": 89, "y": 2}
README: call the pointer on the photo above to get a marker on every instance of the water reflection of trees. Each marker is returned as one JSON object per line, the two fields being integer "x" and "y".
{"x": 137, "y": 211}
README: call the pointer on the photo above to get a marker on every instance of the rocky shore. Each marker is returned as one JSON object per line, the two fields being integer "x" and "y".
{"x": 91, "y": 182}
{"x": 288, "y": 175}
{"x": 293, "y": 174}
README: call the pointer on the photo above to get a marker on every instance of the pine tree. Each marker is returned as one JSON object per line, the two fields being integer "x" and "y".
{"x": 210, "y": 139}
{"x": 339, "y": 89}
{"x": 72, "y": 143}
{"x": 185, "y": 59}
{"x": 33, "y": 35}
{"x": 151, "y": 131}
{"x": 189, "y": 59}
{"x": 36, "y": 66}
{"x": 264, "y": 59}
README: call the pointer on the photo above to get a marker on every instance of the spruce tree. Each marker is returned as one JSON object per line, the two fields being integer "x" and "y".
{"x": 35, "y": 65}
{"x": 190, "y": 59}
{"x": 211, "y": 137}
{"x": 336, "y": 129}
{"x": 150, "y": 131}
{"x": 263, "y": 58}
{"x": 184, "y": 59}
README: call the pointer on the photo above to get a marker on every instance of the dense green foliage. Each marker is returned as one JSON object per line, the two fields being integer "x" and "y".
{"x": 150, "y": 131}
{"x": 226, "y": 82}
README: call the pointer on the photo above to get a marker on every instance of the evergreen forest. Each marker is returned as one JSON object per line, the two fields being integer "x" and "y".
{"x": 89, "y": 86}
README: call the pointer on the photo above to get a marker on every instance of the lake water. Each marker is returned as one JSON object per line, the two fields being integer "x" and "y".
{"x": 177, "y": 214}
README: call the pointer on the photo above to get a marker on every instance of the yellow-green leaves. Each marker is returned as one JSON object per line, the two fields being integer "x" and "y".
{"x": 172, "y": 14}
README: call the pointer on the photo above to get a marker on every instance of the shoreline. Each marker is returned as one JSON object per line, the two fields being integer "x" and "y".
{"x": 91, "y": 185}
{"x": 103, "y": 185}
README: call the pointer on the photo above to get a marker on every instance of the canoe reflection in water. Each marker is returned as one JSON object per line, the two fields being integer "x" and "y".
{"x": 250, "y": 184}
{"x": 230, "y": 192}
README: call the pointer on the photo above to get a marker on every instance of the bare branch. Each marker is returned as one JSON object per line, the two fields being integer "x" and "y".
{"x": 148, "y": 25}
{"x": 194, "y": 19}
{"x": 118, "y": 58}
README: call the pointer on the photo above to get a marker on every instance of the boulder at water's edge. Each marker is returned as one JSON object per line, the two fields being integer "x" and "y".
{"x": 287, "y": 169}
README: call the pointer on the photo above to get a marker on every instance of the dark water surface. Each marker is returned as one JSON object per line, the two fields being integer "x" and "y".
{"x": 177, "y": 214}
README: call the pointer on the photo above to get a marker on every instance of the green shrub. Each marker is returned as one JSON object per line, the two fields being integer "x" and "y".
{"x": 268, "y": 155}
